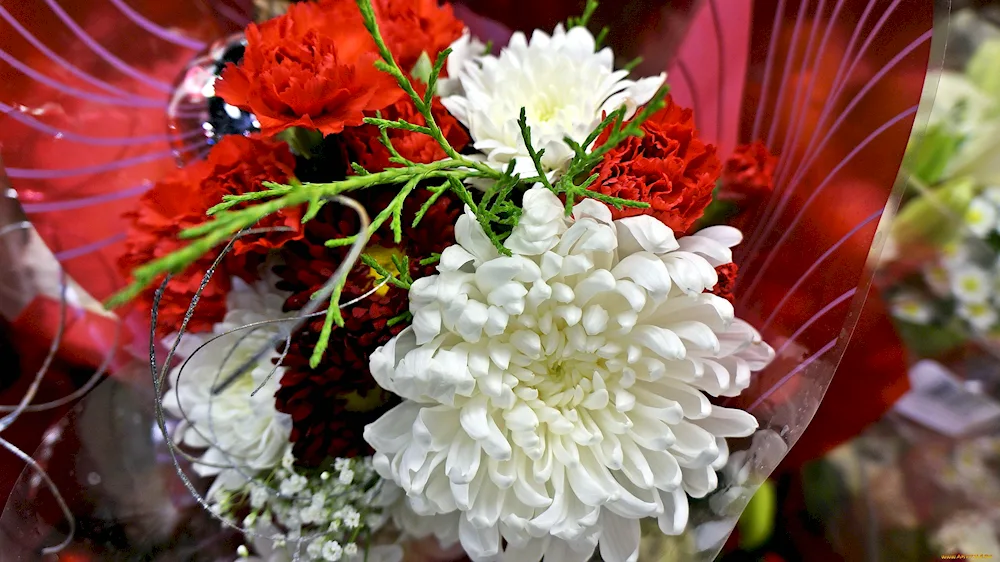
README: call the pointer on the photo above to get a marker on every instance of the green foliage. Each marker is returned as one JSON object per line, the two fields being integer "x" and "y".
{"x": 932, "y": 152}
{"x": 496, "y": 211}
{"x": 930, "y": 219}
{"x": 756, "y": 524}
{"x": 584, "y": 19}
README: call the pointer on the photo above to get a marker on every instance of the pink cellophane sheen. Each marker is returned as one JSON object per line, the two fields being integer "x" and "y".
{"x": 832, "y": 89}
{"x": 84, "y": 88}
{"x": 830, "y": 86}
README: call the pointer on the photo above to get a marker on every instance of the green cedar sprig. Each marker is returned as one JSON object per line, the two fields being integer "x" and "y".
{"x": 495, "y": 211}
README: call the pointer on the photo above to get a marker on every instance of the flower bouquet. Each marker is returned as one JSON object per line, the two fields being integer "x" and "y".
{"x": 408, "y": 284}
{"x": 943, "y": 266}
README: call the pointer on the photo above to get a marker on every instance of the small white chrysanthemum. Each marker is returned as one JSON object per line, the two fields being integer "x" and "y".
{"x": 937, "y": 279}
{"x": 970, "y": 532}
{"x": 332, "y": 551}
{"x": 980, "y": 315}
{"x": 971, "y": 284}
{"x": 955, "y": 254}
{"x": 554, "y": 397}
{"x": 912, "y": 308}
{"x": 241, "y": 433}
{"x": 981, "y": 216}
{"x": 564, "y": 86}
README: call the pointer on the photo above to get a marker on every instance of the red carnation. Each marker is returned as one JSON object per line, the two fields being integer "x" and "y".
{"x": 307, "y": 69}
{"x": 749, "y": 172}
{"x": 173, "y": 204}
{"x": 747, "y": 182}
{"x": 367, "y": 150}
{"x": 727, "y": 281}
{"x": 236, "y": 165}
{"x": 669, "y": 167}
{"x": 409, "y": 27}
{"x": 331, "y": 404}
{"x": 413, "y": 27}
{"x": 241, "y": 165}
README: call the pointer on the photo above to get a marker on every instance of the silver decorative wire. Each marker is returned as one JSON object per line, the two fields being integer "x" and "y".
{"x": 26, "y": 406}
{"x": 310, "y": 311}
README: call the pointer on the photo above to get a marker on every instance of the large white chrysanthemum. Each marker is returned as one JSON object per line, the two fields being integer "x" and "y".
{"x": 556, "y": 396}
{"x": 565, "y": 87}
{"x": 241, "y": 434}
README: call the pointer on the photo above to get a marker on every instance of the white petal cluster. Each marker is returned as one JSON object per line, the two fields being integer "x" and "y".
{"x": 242, "y": 432}
{"x": 555, "y": 396}
{"x": 966, "y": 277}
{"x": 564, "y": 86}
{"x": 322, "y": 516}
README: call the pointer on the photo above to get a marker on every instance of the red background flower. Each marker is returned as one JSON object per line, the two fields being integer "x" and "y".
{"x": 325, "y": 424}
{"x": 305, "y": 69}
{"x": 173, "y": 204}
{"x": 235, "y": 166}
{"x": 669, "y": 167}
{"x": 366, "y": 149}
{"x": 241, "y": 165}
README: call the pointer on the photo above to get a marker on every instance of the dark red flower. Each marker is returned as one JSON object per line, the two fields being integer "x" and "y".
{"x": 746, "y": 184}
{"x": 331, "y": 404}
{"x": 749, "y": 172}
{"x": 308, "y": 69}
{"x": 727, "y": 281}
{"x": 236, "y": 165}
{"x": 669, "y": 167}
{"x": 365, "y": 148}
{"x": 409, "y": 27}
{"x": 241, "y": 165}
{"x": 173, "y": 204}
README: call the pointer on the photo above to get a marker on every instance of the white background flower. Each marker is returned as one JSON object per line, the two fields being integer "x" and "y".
{"x": 556, "y": 396}
{"x": 971, "y": 284}
{"x": 981, "y": 216}
{"x": 564, "y": 86}
{"x": 235, "y": 428}
{"x": 910, "y": 306}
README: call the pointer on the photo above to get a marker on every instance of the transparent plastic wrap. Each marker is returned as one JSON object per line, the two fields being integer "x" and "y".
{"x": 919, "y": 486}
{"x": 101, "y": 104}
{"x": 940, "y": 273}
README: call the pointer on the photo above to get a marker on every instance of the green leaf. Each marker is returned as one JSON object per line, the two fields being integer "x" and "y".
{"x": 930, "y": 219}
{"x": 983, "y": 68}
{"x": 932, "y": 152}
{"x": 824, "y": 490}
{"x": 927, "y": 340}
{"x": 422, "y": 69}
{"x": 302, "y": 141}
{"x": 756, "y": 524}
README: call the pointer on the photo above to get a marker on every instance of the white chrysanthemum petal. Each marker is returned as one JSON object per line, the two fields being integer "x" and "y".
{"x": 564, "y": 87}
{"x": 241, "y": 431}
{"x": 562, "y": 395}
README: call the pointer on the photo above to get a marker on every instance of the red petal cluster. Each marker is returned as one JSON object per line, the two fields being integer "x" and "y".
{"x": 173, "y": 204}
{"x": 669, "y": 167}
{"x": 307, "y": 69}
{"x": 727, "y": 281}
{"x": 241, "y": 165}
{"x": 366, "y": 149}
{"x": 747, "y": 182}
{"x": 331, "y": 404}
{"x": 235, "y": 166}
{"x": 413, "y": 27}
{"x": 749, "y": 172}
{"x": 313, "y": 67}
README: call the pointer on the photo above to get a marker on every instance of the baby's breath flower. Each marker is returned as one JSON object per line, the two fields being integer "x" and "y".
{"x": 332, "y": 551}
{"x": 346, "y": 476}
{"x": 293, "y": 484}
